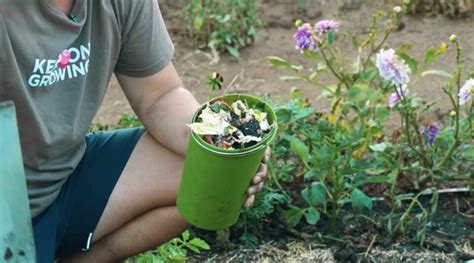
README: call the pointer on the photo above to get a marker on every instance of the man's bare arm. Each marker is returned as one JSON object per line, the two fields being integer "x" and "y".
{"x": 163, "y": 105}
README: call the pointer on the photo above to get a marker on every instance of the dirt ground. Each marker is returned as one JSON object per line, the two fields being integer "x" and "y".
{"x": 257, "y": 77}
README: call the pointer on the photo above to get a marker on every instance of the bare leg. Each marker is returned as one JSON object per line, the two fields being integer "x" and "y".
{"x": 141, "y": 211}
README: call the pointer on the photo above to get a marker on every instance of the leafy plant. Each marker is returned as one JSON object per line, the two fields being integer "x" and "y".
{"x": 128, "y": 121}
{"x": 226, "y": 25}
{"x": 174, "y": 250}
{"x": 341, "y": 151}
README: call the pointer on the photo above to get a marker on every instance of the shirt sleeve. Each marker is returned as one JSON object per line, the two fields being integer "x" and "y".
{"x": 146, "y": 47}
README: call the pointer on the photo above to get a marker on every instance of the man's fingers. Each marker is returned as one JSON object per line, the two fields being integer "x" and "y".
{"x": 249, "y": 202}
{"x": 259, "y": 186}
{"x": 267, "y": 155}
{"x": 252, "y": 190}
{"x": 262, "y": 171}
{"x": 257, "y": 179}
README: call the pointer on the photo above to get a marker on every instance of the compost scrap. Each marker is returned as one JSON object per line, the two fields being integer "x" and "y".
{"x": 234, "y": 126}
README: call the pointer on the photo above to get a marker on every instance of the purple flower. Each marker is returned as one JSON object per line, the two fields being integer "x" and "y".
{"x": 304, "y": 38}
{"x": 432, "y": 132}
{"x": 466, "y": 91}
{"x": 324, "y": 25}
{"x": 396, "y": 96}
{"x": 392, "y": 68}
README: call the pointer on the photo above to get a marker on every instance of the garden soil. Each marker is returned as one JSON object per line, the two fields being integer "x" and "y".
{"x": 258, "y": 78}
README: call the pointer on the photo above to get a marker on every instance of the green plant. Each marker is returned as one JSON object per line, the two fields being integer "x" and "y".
{"x": 227, "y": 25}
{"x": 409, "y": 219}
{"x": 125, "y": 121}
{"x": 331, "y": 168}
{"x": 172, "y": 251}
{"x": 128, "y": 121}
{"x": 341, "y": 151}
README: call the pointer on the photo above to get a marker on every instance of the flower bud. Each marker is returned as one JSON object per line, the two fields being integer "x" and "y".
{"x": 298, "y": 23}
{"x": 397, "y": 9}
{"x": 453, "y": 38}
{"x": 452, "y": 113}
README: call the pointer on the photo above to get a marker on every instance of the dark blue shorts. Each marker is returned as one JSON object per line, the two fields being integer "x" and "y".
{"x": 67, "y": 226}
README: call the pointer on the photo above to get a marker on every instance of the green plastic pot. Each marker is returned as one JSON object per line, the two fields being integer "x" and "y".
{"x": 215, "y": 180}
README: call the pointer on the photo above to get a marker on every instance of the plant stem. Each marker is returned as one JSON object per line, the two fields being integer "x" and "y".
{"x": 334, "y": 198}
{"x": 410, "y": 143}
{"x": 332, "y": 69}
{"x": 423, "y": 157}
{"x": 469, "y": 119}
{"x": 456, "y": 107}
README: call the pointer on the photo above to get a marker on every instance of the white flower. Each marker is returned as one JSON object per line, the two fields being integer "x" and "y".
{"x": 397, "y": 9}
{"x": 392, "y": 68}
{"x": 465, "y": 93}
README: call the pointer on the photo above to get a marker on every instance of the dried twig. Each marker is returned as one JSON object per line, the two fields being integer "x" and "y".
{"x": 370, "y": 246}
{"x": 230, "y": 84}
{"x": 459, "y": 211}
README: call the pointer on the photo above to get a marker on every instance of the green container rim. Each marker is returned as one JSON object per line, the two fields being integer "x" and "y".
{"x": 233, "y": 152}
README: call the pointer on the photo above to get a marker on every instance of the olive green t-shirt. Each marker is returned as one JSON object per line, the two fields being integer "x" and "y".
{"x": 56, "y": 69}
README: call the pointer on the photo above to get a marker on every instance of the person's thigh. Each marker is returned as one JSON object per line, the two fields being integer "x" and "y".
{"x": 150, "y": 179}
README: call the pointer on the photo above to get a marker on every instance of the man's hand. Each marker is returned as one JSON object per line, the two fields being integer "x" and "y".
{"x": 258, "y": 179}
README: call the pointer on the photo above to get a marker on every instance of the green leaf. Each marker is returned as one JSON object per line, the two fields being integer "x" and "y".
{"x": 312, "y": 215}
{"x": 330, "y": 37}
{"x": 376, "y": 179}
{"x": 315, "y": 194}
{"x": 440, "y": 73}
{"x": 278, "y": 62}
{"x": 200, "y": 243}
{"x": 312, "y": 55}
{"x": 296, "y": 94}
{"x": 411, "y": 62}
{"x": 192, "y": 247}
{"x": 358, "y": 93}
{"x": 185, "y": 235}
{"x": 290, "y": 78}
{"x": 360, "y": 200}
{"x": 299, "y": 148}
{"x": 304, "y": 113}
{"x": 309, "y": 175}
{"x": 293, "y": 216}
{"x": 430, "y": 56}
{"x": 381, "y": 112}
{"x": 404, "y": 47}
{"x": 469, "y": 154}
{"x": 379, "y": 147}
{"x": 233, "y": 51}
{"x": 297, "y": 68}
{"x": 313, "y": 76}
{"x": 375, "y": 171}
{"x": 355, "y": 42}
{"x": 198, "y": 22}
{"x": 369, "y": 75}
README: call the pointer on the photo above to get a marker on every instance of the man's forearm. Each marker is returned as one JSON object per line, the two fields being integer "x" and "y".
{"x": 166, "y": 119}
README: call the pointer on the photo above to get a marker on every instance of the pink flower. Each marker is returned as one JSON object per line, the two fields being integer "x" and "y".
{"x": 324, "y": 25}
{"x": 64, "y": 58}
{"x": 465, "y": 93}
{"x": 304, "y": 38}
{"x": 395, "y": 97}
